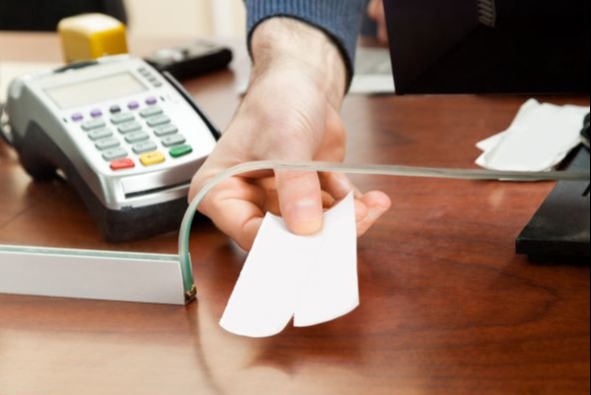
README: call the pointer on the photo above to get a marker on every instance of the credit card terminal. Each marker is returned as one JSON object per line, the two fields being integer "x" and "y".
{"x": 128, "y": 138}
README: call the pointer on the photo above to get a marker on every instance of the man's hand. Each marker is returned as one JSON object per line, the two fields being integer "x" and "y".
{"x": 289, "y": 113}
{"x": 377, "y": 13}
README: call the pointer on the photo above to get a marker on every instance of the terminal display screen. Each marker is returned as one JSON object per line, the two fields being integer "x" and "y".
{"x": 95, "y": 91}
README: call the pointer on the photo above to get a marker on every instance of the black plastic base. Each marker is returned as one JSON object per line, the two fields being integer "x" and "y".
{"x": 41, "y": 158}
{"x": 560, "y": 229}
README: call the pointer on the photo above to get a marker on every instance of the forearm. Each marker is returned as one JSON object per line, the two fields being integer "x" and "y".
{"x": 284, "y": 45}
{"x": 340, "y": 19}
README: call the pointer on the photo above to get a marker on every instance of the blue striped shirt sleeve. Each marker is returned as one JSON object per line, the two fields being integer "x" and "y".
{"x": 340, "y": 19}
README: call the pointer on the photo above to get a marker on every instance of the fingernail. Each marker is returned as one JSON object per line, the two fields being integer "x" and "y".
{"x": 306, "y": 218}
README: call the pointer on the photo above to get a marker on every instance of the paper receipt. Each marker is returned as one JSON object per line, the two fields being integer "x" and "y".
{"x": 312, "y": 280}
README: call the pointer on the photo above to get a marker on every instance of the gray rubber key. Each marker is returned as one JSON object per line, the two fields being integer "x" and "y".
{"x": 107, "y": 144}
{"x": 94, "y": 124}
{"x": 143, "y": 147}
{"x": 176, "y": 139}
{"x": 136, "y": 137}
{"x": 115, "y": 153}
{"x": 150, "y": 112}
{"x": 100, "y": 134}
{"x": 129, "y": 127}
{"x": 122, "y": 118}
{"x": 165, "y": 130}
{"x": 158, "y": 120}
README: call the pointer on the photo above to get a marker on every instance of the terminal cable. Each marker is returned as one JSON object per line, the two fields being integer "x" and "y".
{"x": 384, "y": 170}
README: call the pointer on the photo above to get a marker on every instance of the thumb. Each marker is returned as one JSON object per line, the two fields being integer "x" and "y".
{"x": 300, "y": 200}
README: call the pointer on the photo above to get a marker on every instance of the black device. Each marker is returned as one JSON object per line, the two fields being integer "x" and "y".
{"x": 198, "y": 58}
{"x": 560, "y": 229}
{"x": 504, "y": 46}
{"x": 490, "y": 46}
{"x": 585, "y": 132}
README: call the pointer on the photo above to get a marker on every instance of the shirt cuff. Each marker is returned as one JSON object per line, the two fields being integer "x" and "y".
{"x": 340, "y": 19}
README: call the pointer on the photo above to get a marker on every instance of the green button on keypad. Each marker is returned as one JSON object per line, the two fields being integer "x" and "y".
{"x": 182, "y": 150}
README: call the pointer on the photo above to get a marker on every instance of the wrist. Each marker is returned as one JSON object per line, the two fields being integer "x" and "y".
{"x": 282, "y": 45}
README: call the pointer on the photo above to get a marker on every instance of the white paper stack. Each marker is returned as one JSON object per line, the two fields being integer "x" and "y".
{"x": 541, "y": 136}
{"x": 312, "y": 280}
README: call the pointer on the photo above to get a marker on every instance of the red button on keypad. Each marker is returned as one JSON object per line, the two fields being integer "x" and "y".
{"x": 122, "y": 164}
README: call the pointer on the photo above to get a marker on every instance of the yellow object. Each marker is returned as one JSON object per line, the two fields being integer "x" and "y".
{"x": 91, "y": 36}
{"x": 153, "y": 158}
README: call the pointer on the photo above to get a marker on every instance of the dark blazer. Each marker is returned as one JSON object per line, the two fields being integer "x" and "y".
{"x": 44, "y": 15}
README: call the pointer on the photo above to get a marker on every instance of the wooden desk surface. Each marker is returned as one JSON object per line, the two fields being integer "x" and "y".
{"x": 447, "y": 306}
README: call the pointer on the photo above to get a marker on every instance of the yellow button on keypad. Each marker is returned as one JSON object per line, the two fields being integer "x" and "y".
{"x": 152, "y": 158}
